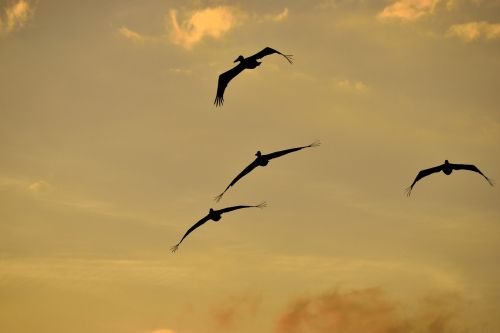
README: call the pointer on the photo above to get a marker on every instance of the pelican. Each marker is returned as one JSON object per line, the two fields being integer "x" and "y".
{"x": 214, "y": 215}
{"x": 244, "y": 63}
{"x": 447, "y": 169}
{"x": 263, "y": 160}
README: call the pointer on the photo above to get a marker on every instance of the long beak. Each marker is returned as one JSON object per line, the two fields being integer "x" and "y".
{"x": 236, "y": 60}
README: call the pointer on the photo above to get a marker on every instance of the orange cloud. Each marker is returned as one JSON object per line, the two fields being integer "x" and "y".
{"x": 16, "y": 16}
{"x": 368, "y": 310}
{"x": 281, "y": 16}
{"x": 408, "y": 10}
{"x": 212, "y": 22}
{"x": 135, "y": 36}
{"x": 475, "y": 30}
{"x": 226, "y": 313}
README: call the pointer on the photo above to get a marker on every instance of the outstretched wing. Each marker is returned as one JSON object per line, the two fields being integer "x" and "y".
{"x": 422, "y": 174}
{"x": 230, "y": 209}
{"x": 267, "y": 51}
{"x": 291, "y": 150}
{"x": 224, "y": 79}
{"x": 199, "y": 223}
{"x": 471, "y": 167}
{"x": 243, "y": 173}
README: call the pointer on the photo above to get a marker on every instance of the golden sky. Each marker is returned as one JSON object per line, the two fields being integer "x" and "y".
{"x": 112, "y": 148}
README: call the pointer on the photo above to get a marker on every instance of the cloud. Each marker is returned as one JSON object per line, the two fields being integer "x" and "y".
{"x": 134, "y": 36}
{"x": 16, "y": 16}
{"x": 367, "y": 310}
{"x": 408, "y": 10}
{"x": 281, "y": 16}
{"x": 38, "y": 186}
{"x": 213, "y": 22}
{"x": 475, "y": 30}
{"x": 351, "y": 86}
{"x": 226, "y": 313}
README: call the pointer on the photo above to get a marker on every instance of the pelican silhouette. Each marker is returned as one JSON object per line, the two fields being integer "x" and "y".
{"x": 214, "y": 215}
{"x": 447, "y": 169}
{"x": 263, "y": 160}
{"x": 244, "y": 63}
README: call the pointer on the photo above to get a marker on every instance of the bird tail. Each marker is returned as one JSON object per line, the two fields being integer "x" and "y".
{"x": 315, "y": 144}
{"x": 263, "y": 204}
{"x": 175, "y": 247}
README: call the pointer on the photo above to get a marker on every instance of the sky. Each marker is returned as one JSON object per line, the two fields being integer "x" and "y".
{"x": 112, "y": 148}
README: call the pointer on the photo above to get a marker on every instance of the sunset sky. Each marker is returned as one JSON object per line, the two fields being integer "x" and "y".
{"x": 111, "y": 148}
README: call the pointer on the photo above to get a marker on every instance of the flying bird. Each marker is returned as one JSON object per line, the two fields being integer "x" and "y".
{"x": 214, "y": 215}
{"x": 244, "y": 63}
{"x": 263, "y": 160}
{"x": 447, "y": 168}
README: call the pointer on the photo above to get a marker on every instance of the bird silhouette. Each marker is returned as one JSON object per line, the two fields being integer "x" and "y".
{"x": 214, "y": 215}
{"x": 447, "y": 169}
{"x": 263, "y": 160}
{"x": 244, "y": 63}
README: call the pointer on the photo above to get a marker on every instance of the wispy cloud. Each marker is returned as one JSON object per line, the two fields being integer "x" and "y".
{"x": 475, "y": 30}
{"x": 209, "y": 22}
{"x": 351, "y": 86}
{"x": 408, "y": 10}
{"x": 280, "y": 16}
{"x": 135, "y": 36}
{"x": 16, "y": 16}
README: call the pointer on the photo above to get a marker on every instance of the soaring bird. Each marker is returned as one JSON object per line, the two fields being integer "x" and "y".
{"x": 447, "y": 168}
{"x": 214, "y": 215}
{"x": 244, "y": 63}
{"x": 263, "y": 160}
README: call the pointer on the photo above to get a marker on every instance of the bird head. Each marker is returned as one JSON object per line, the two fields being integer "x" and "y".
{"x": 258, "y": 153}
{"x": 240, "y": 58}
{"x": 211, "y": 210}
{"x": 446, "y": 162}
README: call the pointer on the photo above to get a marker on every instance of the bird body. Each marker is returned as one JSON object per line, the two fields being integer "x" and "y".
{"x": 243, "y": 63}
{"x": 213, "y": 215}
{"x": 263, "y": 160}
{"x": 447, "y": 168}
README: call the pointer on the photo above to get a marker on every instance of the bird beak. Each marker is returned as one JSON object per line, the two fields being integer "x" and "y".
{"x": 236, "y": 60}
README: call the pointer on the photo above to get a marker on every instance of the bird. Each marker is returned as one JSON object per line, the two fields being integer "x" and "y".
{"x": 244, "y": 63}
{"x": 263, "y": 160}
{"x": 447, "y": 168}
{"x": 214, "y": 215}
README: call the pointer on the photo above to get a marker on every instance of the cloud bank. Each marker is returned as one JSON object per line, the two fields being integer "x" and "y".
{"x": 368, "y": 310}
{"x": 475, "y": 30}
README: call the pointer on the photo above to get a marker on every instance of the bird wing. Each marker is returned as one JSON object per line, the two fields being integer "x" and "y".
{"x": 291, "y": 150}
{"x": 230, "y": 209}
{"x": 196, "y": 225}
{"x": 267, "y": 51}
{"x": 243, "y": 173}
{"x": 422, "y": 174}
{"x": 471, "y": 167}
{"x": 224, "y": 79}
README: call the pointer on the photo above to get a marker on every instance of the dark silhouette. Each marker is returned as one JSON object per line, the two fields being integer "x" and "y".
{"x": 245, "y": 63}
{"x": 263, "y": 160}
{"x": 214, "y": 215}
{"x": 447, "y": 168}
